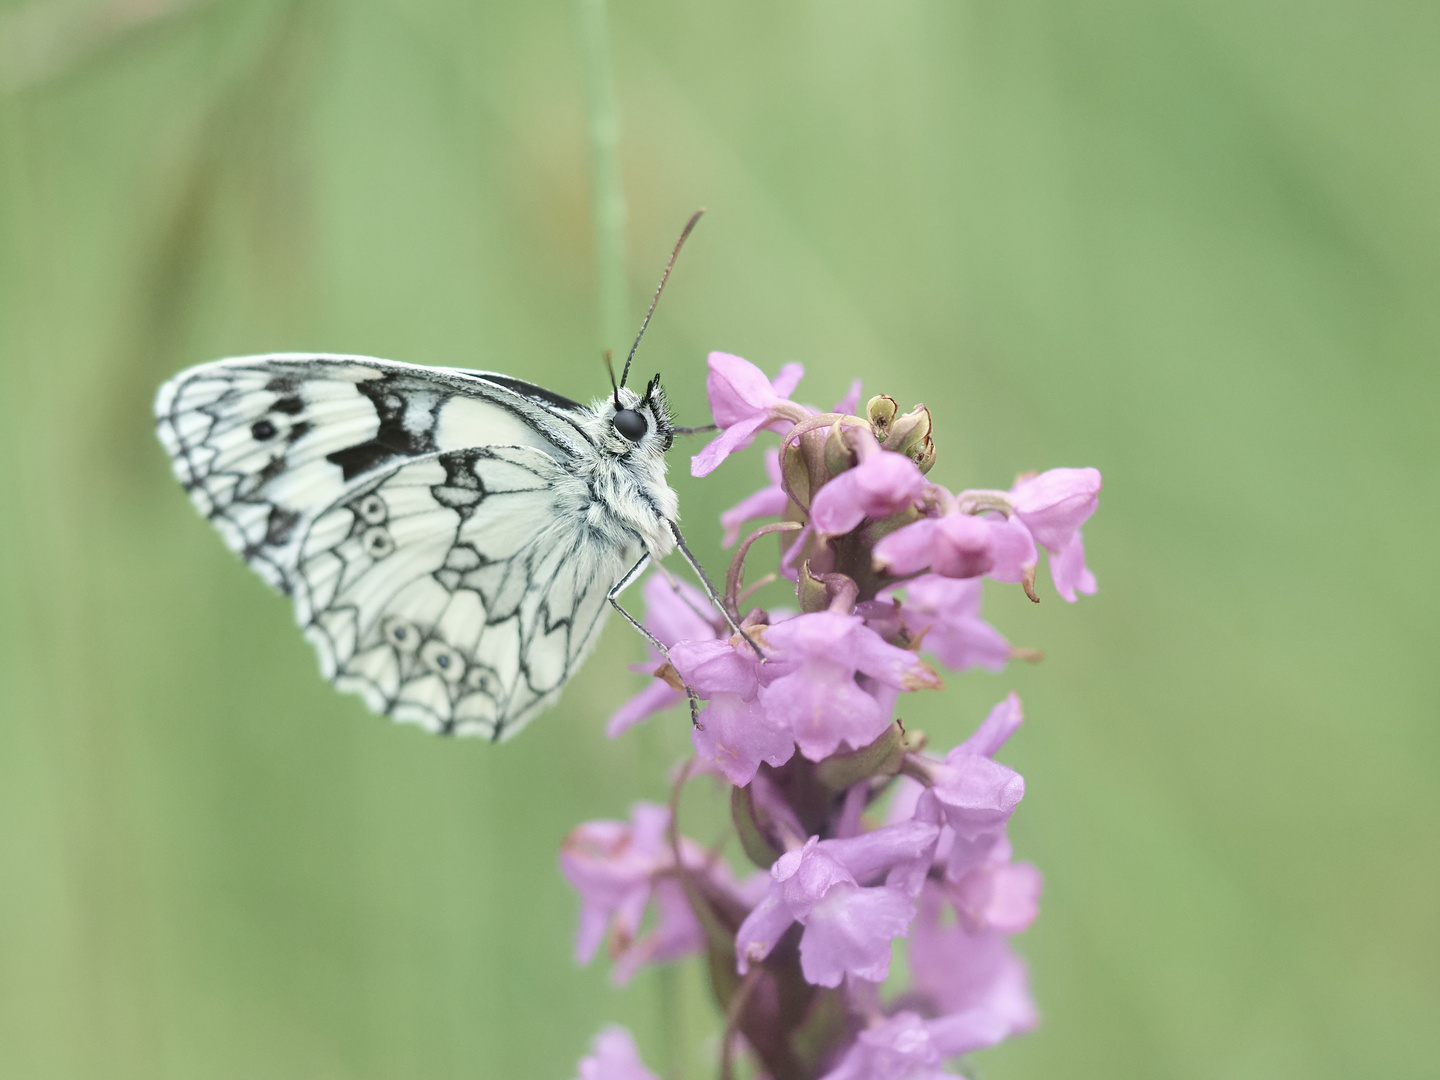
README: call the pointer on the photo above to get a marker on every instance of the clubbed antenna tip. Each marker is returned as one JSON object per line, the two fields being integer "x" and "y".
{"x": 684, "y": 234}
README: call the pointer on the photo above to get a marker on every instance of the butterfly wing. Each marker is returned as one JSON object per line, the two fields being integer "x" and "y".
{"x": 366, "y": 489}
{"x": 455, "y": 591}
{"x": 263, "y": 444}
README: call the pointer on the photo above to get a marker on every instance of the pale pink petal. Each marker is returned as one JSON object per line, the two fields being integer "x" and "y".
{"x": 676, "y": 611}
{"x": 955, "y": 546}
{"x": 823, "y": 707}
{"x": 787, "y": 379}
{"x": 1004, "y": 897}
{"x": 1002, "y": 722}
{"x": 869, "y": 856}
{"x": 1012, "y": 548}
{"x": 716, "y": 667}
{"x": 733, "y": 438}
{"x": 611, "y": 865}
{"x": 968, "y": 1031}
{"x": 738, "y": 390}
{"x": 654, "y": 698}
{"x": 963, "y": 547}
{"x": 768, "y": 502}
{"x": 944, "y": 613}
{"x": 898, "y": 1047}
{"x": 977, "y": 796}
{"x": 850, "y": 931}
{"x": 895, "y": 667}
{"x": 851, "y": 401}
{"x": 1056, "y": 503}
{"x": 614, "y": 1057}
{"x": 677, "y": 933}
{"x": 738, "y": 735}
{"x": 877, "y": 487}
{"x": 762, "y": 928}
{"x": 1069, "y": 572}
{"x": 938, "y": 595}
{"x": 964, "y": 643}
{"x": 906, "y": 550}
{"x": 818, "y": 633}
{"x": 975, "y": 977}
{"x": 806, "y": 875}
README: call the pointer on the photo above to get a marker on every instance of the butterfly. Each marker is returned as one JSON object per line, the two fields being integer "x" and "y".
{"x": 452, "y": 539}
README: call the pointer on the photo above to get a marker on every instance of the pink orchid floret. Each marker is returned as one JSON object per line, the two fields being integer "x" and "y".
{"x": 619, "y": 869}
{"x": 998, "y": 894}
{"x": 995, "y": 730}
{"x": 957, "y": 545}
{"x": 975, "y": 793}
{"x": 744, "y": 402}
{"x": 673, "y": 613}
{"x": 972, "y": 980}
{"x": 944, "y": 614}
{"x": 737, "y": 735}
{"x": 899, "y": 1047}
{"x": 613, "y": 1056}
{"x": 1069, "y": 572}
{"x": 848, "y": 926}
{"x": 877, "y": 487}
{"x": 1012, "y": 548}
{"x": 809, "y": 691}
{"x": 767, "y": 502}
{"x": 953, "y": 545}
{"x": 811, "y": 686}
{"x": 1053, "y": 506}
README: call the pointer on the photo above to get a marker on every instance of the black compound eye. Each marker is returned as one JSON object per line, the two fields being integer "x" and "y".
{"x": 631, "y": 424}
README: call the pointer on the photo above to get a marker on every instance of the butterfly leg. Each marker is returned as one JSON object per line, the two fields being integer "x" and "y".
{"x": 710, "y": 589}
{"x": 655, "y": 643}
{"x": 703, "y": 614}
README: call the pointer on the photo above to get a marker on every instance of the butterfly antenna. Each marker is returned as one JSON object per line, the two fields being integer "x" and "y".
{"x": 684, "y": 233}
{"x": 610, "y": 367}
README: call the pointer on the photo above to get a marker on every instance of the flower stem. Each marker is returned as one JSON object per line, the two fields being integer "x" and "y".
{"x": 735, "y": 578}
{"x": 732, "y": 1021}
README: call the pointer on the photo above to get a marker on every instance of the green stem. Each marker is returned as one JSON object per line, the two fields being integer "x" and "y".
{"x": 604, "y": 124}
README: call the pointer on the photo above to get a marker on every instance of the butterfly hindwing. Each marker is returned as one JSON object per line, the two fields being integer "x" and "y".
{"x": 451, "y": 593}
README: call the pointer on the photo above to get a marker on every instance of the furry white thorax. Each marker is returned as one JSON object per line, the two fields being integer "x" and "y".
{"x": 626, "y": 493}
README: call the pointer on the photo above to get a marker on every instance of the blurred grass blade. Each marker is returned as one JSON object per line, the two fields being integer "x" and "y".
{"x": 609, "y": 195}
{"x": 40, "y": 40}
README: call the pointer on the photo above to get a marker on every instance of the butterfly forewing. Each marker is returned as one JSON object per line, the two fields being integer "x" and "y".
{"x": 422, "y": 519}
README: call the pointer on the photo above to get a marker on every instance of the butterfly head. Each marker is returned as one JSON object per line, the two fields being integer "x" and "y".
{"x": 638, "y": 422}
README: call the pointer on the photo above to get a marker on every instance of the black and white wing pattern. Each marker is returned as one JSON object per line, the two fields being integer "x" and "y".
{"x": 412, "y": 515}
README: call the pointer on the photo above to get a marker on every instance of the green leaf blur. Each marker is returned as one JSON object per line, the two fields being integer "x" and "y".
{"x": 1193, "y": 244}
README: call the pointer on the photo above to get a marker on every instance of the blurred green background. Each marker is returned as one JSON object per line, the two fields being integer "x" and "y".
{"x": 1195, "y": 244}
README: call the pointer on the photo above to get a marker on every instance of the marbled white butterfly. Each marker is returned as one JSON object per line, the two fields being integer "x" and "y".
{"x": 450, "y": 538}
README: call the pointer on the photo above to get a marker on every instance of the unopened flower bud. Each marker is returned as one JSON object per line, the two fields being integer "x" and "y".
{"x": 838, "y": 455}
{"x": 909, "y": 434}
{"x": 882, "y": 410}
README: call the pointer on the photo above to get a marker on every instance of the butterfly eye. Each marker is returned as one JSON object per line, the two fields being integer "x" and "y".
{"x": 631, "y": 424}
